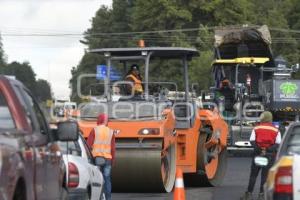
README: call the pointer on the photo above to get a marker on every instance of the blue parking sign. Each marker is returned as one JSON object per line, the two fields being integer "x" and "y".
{"x": 102, "y": 73}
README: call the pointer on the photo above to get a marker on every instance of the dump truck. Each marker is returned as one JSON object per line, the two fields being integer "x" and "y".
{"x": 256, "y": 82}
{"x": 158, "y": 133}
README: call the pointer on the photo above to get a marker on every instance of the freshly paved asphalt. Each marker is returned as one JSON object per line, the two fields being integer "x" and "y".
{"x": 234, "y": 185}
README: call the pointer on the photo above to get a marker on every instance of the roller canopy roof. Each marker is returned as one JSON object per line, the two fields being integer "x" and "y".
{"x": 161, "y": 52}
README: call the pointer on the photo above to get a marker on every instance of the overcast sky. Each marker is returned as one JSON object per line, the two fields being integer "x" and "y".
{"x": 51, "y": 57}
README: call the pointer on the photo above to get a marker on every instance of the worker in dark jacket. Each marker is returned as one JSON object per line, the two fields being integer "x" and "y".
{"x": 135, "y": 77}
{"x": 265, "y": 138}
{"x": 102, "y": 142}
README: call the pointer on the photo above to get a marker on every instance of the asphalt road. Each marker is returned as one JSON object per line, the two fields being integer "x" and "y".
{"x": 233, "y": 187}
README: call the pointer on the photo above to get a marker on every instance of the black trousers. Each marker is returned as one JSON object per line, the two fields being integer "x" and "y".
{"x": 254, "y": 173}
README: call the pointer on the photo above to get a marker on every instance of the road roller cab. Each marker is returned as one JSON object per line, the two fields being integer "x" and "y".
{"x": 157, "y": 133}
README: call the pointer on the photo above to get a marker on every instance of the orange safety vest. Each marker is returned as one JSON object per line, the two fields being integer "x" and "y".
{"x": 102, "y": 143}
{"x": 137, "y": 83}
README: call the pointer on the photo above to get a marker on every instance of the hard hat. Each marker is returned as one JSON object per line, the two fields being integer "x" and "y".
{"x": 134, "y": 67}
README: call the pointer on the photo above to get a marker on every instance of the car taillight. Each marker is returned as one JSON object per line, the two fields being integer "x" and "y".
{"x": 73, "y": 175}
{"x": 284, "y": 180}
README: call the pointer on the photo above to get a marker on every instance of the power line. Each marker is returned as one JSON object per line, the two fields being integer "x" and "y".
{"x": 17, "y": 34}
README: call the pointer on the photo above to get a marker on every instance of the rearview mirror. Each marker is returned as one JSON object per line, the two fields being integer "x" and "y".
{"x": 67, "y": 131}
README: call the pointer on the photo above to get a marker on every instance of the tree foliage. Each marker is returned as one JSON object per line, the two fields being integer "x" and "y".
{"x": 111, "y": 26}
{"x": 2, "y": 59}
{"x": 43, "y": 90}
{"x": 24, "y": 73}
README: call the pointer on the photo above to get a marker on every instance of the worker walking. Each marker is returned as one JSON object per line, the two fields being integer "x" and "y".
{"x": 265, "y": 138}
{"x": 102, "y": 142}
{"x": 134, "y": 76}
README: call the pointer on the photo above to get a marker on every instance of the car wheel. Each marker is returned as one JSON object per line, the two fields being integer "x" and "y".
{"x": 64, "y": 194}
{"x": 86, "y": 196}
{"x": 102, "y": 197}
{"x": 20, "y": 192}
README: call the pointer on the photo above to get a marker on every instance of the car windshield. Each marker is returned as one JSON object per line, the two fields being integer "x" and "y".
{"x": 294, "y": 142}
{"x": 123, "y": 110}
{"x": 72, "y": 148}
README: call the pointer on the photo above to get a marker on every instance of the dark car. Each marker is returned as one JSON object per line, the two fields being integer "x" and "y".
{"x": 31, "y": 165}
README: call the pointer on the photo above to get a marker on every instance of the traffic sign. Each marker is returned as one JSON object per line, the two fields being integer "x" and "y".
{"x": 102, "y": 73}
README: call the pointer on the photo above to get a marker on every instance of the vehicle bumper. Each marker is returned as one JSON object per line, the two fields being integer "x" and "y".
{"x": 283, "y": 197}
{"x": 77, "y": 194}
{"x": 238, "y": 148}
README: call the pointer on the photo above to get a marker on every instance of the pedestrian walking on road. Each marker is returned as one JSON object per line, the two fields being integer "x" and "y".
{"x": 102, "y": 142}
{"x": 265, "y": 138}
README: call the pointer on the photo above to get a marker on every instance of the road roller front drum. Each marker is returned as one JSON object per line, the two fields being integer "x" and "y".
{"x": 147, "y": 168}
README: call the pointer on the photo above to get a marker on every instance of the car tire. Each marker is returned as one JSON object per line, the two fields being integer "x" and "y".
{"x": 19, "y": 194}
{"x": 20, "y": 191}
{"x": 86, "y": 196}
{"x": 64, "y": 194}
{"x": 102, "y": 197}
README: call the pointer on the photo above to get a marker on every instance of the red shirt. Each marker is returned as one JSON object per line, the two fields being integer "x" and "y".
{"x": 91, "y": 140}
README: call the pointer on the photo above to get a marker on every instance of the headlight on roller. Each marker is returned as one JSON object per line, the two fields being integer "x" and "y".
{"x": 149, "y": 131}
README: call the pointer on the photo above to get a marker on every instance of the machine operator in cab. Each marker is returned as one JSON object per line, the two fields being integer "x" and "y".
{"x": 265, "y": 138}
{"x": 134, "y": 76}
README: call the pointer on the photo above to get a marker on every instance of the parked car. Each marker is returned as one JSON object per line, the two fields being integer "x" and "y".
{"x": 84, "y": 179}
{"x": 31, "y": 165}
{"x": 283, "y": 179}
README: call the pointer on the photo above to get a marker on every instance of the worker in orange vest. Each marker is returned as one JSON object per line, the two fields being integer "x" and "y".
{"x": 135, "y": 77}
{"x": 102, "y": 142}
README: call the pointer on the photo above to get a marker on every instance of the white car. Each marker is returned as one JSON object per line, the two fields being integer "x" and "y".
{"x": 84, "y": 180}
{"x": 283, "y": 181}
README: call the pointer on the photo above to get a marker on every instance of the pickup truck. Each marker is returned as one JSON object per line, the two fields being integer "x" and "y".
{"x": 31, "y": 164}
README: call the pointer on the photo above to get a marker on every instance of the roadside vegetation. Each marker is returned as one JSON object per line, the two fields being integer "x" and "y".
{"x": 189, "y": 24}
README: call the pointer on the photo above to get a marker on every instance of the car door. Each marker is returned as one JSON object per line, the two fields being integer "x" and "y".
{"x": 38, "y": 164}
{"x": 94, "y": 172}
{"x": 47, "y": 160}
{"x": 7, "y": 123}
{"x": 296, "y": 175}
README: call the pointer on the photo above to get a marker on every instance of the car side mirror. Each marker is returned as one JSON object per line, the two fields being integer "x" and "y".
{"x": 74, "y": 151}
{"x": 296, "y": 67}
{"x": 67, "y": 131}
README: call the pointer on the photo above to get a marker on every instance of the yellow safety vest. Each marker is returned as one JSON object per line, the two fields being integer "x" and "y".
{"x": 102, "y": 143}
{"x": 137, "y": 83}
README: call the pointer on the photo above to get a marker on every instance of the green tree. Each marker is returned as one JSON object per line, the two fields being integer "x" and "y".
{"x": 161, "y": 15}
{"x": 138, "y": 16}
{"x": 43, "y": 90}
{"x": 2, "y": 59}
{"x": 87, "y": 65}
{"x": 23, "y": 72}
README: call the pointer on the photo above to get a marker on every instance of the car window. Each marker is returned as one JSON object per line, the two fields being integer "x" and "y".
{"x": 294, "y": 142}
{"x": 6, "y": 120}
{"x": 42, "y": 124}
{"x": 87, "y": 150}
{"x": 71, "y": 148}
{"x": 23, "y": 103}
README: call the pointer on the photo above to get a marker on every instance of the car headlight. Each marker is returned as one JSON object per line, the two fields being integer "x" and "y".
{"x": 149, "y": 131}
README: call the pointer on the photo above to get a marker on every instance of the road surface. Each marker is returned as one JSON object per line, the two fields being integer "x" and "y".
{"x": 233, "y": 187}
